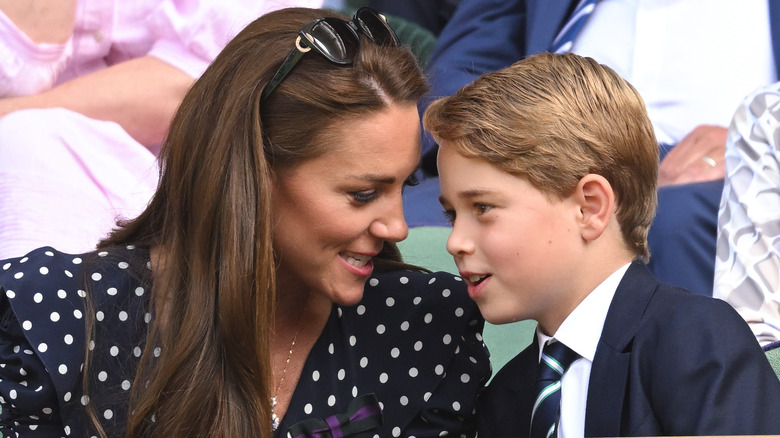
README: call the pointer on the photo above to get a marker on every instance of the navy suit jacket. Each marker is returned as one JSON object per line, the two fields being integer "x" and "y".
{"x": 669, "y": 362}
{"x": 487, "y": 35}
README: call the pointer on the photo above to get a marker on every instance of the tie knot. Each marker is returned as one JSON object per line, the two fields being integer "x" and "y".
{"x": 556, "y": 358}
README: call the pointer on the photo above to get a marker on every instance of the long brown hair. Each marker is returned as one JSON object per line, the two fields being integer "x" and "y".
{"x": 214, "y": 285}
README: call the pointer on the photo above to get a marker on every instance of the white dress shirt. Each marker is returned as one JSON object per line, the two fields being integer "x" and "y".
{"x": 581, "y": 331}
{"x": 692, "y": 61}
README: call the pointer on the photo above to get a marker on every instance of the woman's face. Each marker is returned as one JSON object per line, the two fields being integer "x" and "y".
{"x": 333, "y": 213}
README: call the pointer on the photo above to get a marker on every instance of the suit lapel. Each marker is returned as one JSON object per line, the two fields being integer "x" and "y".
{"x": 545, "y": 18}
{"x": 774, "y": 30}
{"x": 609, "y": 374}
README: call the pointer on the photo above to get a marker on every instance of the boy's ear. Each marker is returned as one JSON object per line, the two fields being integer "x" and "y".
{"x": 597, "y": 203}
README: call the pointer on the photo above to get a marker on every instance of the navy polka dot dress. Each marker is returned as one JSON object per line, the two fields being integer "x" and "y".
{"x": 407, "y": 361}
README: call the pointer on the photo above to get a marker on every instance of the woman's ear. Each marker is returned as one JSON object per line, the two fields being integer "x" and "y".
{"x": 597, "y": 203}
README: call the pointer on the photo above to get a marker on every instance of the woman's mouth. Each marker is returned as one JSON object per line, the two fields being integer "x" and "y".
{"x": 358, "y": 264}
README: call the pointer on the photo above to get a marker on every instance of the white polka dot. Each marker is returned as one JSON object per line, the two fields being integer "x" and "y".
{"x": 447, "y": 339}
{"x": 361, "y": 309}
{"x": 427, "y": 396}
{"x": 418, "y": 346}
{"x": 446, "y": 293}
{"x": 456, "y": 406}
{"x": 404, "y": 280}
{"x": 100, "y": 315}
{"x": 354, "y": 391}
{"x": 91, "y": 345}
{"x": 111, "y": 291}
{"x": 465, "y": 378}
{"x": 108, "y": 414}
{"x": 396, "y": 431}
{"x": 404, "y": 400}
{"x": 68, "y": 339}
{"x": 395, "y": 352}
{"x": 102, "y": 376}
{"x": 10, "y": 294}
{"x": 126, "y": 385}
{"x": 62, "y": 294}
{"x": 19, "y": 275}
{"x": 331, "y": 349}
{"x": 157, "y": 351}
{"x": 77, "y": 314}
{"x": 342, "y": 374}
{"x": 315, "y": 375}
{"x": 38, "y": 297}
{"x": 54, "y": 316}
{"x": 44, "y": 270}
{"x": 373, "y": 282}
{"x": 47, "y": 411}
{"x": 428, "y": 318}
{"x": 139, "y": 291}
{"x": 459, "y": 312}
{"x": 432, "y": 280}
{"x": 63, "y": 369}
{"x": 390, "y": 302}
{"x": 352, "y": 340}
{"x": 27, "y": 325}
{"x": 96, "y": 276}
{"x": 77, "y": 261}
{"x": 413, "y": 372}
{"x": 332, "y": 400}
{"x": 68, "y": 273}
{"x": 416, "y": 300}
{"x": 42, "y": 347}
{"x": 81, "y": 293}
{"x": 23, "y": 260}
{"x": 103, "y": 253}
{"x": 84, "y": 400}
{"x": 137, "y": 351}
{"x": 308, "y": 409}
{"x": 12, "y": 394}
{"x": 123, "y": 316}
{"x": 6, "y": 266}
{"x": 405, "y": 325}
{"x": 380, "y": 328}
{"x": 147, "y": 317}
{"x": 363, "y": 362}
{"x": 123, "y": 265}
{"x": 383, "y": 378}
{"x": 478, "y": 336}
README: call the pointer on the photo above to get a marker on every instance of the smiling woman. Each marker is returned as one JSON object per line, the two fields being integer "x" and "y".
{"x": 261, "y": 292}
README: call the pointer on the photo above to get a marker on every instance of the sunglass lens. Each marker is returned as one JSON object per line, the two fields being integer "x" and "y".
{"x": 375, "y": 27}
{"x": 336, "y": 40}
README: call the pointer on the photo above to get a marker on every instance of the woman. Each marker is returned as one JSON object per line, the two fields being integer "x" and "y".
{"x": 235, "y": 305}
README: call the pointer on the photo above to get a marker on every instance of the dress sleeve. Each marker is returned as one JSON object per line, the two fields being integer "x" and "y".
{"x": 28, "y": 399}
{"x": 450, "y": 407}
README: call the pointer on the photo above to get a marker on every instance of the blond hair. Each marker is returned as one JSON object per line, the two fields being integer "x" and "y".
{"x": 553, "y": 119}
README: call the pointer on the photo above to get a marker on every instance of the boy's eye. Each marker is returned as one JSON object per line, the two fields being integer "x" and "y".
{"x": 411, "y": 181}
{"x": 482, "y": 208}
{"x": 364, "y": 197}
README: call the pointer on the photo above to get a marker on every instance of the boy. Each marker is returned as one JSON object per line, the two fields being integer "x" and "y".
{"x": 548, "y": 174}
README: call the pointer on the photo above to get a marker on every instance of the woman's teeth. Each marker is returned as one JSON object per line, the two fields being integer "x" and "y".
{"x": 356, "y": 260}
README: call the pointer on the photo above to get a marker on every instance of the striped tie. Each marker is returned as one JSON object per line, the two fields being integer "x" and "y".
{"x": 556, "y": 357}
{"x": 565, "y": 39}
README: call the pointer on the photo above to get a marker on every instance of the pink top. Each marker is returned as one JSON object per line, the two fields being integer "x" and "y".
{"x": 187, "y": 34}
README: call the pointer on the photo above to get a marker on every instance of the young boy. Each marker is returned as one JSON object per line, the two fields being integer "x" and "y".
{"x": 548, "y": 174}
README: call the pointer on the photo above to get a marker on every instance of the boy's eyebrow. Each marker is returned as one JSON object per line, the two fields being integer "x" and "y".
{"x": 468, "y": 194}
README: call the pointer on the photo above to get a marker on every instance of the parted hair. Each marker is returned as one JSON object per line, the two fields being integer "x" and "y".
{"x": 553, "y": 119}
{"x": 214, "y": 286}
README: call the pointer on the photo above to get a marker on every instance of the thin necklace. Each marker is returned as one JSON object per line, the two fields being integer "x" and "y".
{"x": 275, "y": 418}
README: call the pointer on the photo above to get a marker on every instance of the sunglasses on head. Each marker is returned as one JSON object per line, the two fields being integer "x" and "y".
{"x": 336, "y": 40}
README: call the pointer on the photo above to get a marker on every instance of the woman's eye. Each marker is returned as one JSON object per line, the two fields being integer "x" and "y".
{"x": 411, "y": 181}
{"x": 449, "y": 215}
{"x": 364, "y": 197}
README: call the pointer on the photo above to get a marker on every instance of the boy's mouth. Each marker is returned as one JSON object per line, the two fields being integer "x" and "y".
{"x": 477, "y": 279}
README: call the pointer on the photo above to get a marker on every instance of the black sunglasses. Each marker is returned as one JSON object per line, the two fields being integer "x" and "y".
{"x": 336, "y": 40}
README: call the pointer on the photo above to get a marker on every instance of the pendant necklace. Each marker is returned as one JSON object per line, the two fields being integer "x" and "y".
{"x": 275, "y": 420}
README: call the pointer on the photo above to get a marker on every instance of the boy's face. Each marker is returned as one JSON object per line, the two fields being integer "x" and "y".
{"x": 517, "y": 249}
